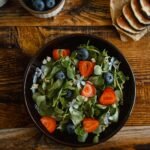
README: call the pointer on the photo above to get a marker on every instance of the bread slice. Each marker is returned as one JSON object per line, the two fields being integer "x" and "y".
{"x": 123, "y": 24}
{"x": 129, "y": 16}
{"x": 145, "y": 4}
{"x": 138, "y": 12}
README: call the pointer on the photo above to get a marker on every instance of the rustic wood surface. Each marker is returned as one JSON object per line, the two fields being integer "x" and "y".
{"x": 75, "y": 12}
{"x": 22, "y": 35}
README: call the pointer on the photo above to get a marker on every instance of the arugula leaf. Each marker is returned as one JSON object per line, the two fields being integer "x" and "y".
{"x": 81, "y": 134}
{"x": 98, "y": 81}
{"x": 54, "y": 89}
{"x": 58, "y": 113}
{"x": 112, "y": 110}
{"x": 76, "y": 116}
{"x": 90, "y": 48}
{"x": 44, "y": 85}
{"x": 69, "y": 85}
{"x": 82, "y": 138}
{"x": 88, "y": 110}
{"x": 65, "y": 62}
{"x": 42, "y": 107}
{"x": 119, "y": 95}
{"x": 79, "y": 130}
{"x": 39, "y": 98}
{"x": 115, "y": 116}
{"x": 96, "y": 139}
{"x": 54, "y": 71}
{"x": 70, "y": 72}
{"x": 101, "y": 106}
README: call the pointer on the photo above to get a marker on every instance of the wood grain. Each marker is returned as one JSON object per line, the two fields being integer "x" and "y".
{"x": 75, "y": 13}
{"x": 30, "y": 138}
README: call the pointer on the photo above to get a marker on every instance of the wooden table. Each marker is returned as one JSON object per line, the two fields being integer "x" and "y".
{"x": 21, "y": 36}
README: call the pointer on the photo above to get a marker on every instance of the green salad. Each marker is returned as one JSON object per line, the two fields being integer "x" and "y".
{"x": 78, "y": 92}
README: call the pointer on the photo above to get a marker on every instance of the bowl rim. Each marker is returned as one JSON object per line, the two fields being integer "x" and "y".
{"x": 41, "y": 12}
{"x": 51, "y": 136}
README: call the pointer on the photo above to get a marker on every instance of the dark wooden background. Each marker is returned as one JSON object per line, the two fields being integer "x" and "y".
{"x": 21, "y": 36}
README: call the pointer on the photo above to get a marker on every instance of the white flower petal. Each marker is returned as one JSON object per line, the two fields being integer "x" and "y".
{"x": 34, "y": 79}
{"x": 78, "y": 86}
{"x": 44, "y": 62}
{"x": 83, "y": 83}
{"x": 48, "y": 58}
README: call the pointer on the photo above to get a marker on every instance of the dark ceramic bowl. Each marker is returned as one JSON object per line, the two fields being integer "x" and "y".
{"x": 71, "y": 42}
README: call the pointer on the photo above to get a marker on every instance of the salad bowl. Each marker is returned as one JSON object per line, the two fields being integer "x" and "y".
{"x": 71, "y": 42}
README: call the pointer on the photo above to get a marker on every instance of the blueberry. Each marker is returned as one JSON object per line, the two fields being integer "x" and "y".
{"x": 60, "y": 75}
{"x": 69, "y": 94}
{"x": 109, "y": 77}
{"x": 70, "y": 128}
{"x": 38, "y": 5}
{"x": 82, "y": 54}
{"x": 50, "y": 3}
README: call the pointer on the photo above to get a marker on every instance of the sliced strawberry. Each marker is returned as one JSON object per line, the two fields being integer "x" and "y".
{"x": 65, "y": 52}
{"x": 90, "y": 124}
{"x": 108, "y": 97}
{"x": 58, "y": 53}
{"x": 49, "y": 123}
{"x": 86, "y": 68}
{"x": 89, "y": 90}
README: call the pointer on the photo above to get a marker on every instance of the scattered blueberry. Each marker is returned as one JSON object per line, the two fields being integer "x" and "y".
{"x": 38, "y": 5}
{"x": 70, "y": 128}
{"x": 60, "y": 75}
{"x": 109, "y": 77}
{"x": 50, "y": 3}
{"x": 82, "y": 54}
{"x": 69, "y": 94}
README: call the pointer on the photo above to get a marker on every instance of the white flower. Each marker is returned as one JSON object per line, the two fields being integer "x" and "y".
{"x": 34, "y": 79}
{"x": 85, "y": 98}
{"x": 116, "y": 64}
{"x": 106, "y": 118}
{"x": 44, "y": 70}
{"x": 38, "y": 72}
{"x": 113, "y": 63}
{"x": 48, "y": 59}
{"x": 34, "y": 87}
{"x": 79, "y": 81}
{"x": 44, "y": 61}
{"x": 71, "y": 105}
